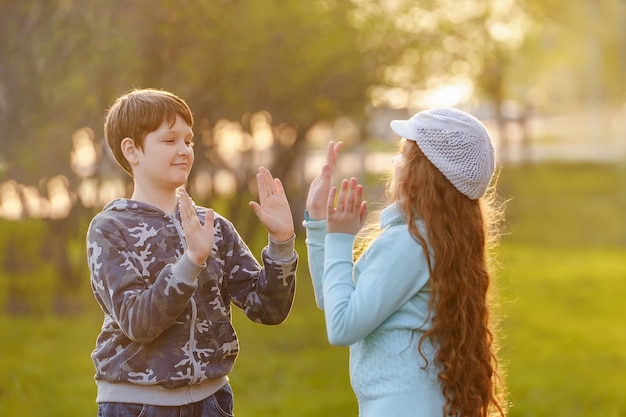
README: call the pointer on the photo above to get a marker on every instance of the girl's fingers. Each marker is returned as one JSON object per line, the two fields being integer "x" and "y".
{"x": 352, "y": 194}
{"x": 358, "y": 198}
{"x": 332, "y": 153}
{"x": 341, "y": 200}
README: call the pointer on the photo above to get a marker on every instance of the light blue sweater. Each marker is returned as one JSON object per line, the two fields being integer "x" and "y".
{"x": 379, "y": 307}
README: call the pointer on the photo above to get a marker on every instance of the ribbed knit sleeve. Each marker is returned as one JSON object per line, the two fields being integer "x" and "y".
{"x": 358, "y": 299}
{"x": 315, "y": 235}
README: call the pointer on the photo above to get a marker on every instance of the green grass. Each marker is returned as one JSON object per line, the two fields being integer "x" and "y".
{"x": 564, "y": 332}
{"x": 562, "y": 280}
{"x": 45, "y": 368}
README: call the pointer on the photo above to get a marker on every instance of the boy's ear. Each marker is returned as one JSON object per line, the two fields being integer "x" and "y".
{"x": 129, "y": 150}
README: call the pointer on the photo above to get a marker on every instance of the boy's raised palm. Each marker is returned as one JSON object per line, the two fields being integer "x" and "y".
{"x": 199, "y": 237}
{"x": 273, "y": 208}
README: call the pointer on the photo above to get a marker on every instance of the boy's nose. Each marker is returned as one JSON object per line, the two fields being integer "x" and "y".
{"x": 183, "y": 149}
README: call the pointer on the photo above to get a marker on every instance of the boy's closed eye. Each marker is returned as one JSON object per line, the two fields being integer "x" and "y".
{"x": 172, "y": 141}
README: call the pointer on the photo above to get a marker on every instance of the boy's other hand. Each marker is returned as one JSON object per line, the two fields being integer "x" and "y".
{"x": 320, "y": 187}
{"x": 273, "y": 208}
{"x": 199, "y": 237}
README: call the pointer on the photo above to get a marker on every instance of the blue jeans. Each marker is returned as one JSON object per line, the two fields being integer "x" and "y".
{"x": 219, "y": 404}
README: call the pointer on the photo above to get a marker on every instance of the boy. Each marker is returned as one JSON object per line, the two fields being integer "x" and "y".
{"x": 165, "y": 271}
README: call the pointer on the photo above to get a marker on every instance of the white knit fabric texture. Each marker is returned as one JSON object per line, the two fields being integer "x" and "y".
{"x": 457, "y": 144}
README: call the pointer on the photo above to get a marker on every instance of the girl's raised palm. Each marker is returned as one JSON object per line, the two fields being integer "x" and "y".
{"x": 320, "y": 186}
{"x": 349, "y": 215}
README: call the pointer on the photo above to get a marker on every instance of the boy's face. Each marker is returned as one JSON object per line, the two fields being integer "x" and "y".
{"x": 167, "y": 156}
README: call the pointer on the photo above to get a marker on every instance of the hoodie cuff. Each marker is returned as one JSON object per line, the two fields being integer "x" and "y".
{"x": 187, "y": 270}
{"x": 281, "y": 251}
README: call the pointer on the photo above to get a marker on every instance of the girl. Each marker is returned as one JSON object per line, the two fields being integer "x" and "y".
{"x": 413, "y": 308}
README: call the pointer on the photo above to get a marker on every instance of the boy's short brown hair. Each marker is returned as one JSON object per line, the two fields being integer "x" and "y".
{"x": 139, "y": 112}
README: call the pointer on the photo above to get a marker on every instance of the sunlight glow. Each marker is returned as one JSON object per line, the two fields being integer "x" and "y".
{"x": 84, "y": 155}
{"x": 203, "y": 183}
{"x": 59, "y": 197}
{"x": 111, "y": 189}
{"x": 395, "y": 98}
{"x": 228, "y": 137}
{"x": 261, "y": 127}
{"x": 231, "y": 140}
{"x": 88, "y": 192}
{"x": 440, "y": 93}
{"x": 506, "y": 26}
{"x": 10, "y": 203}
{"x": 320, "y": 134}
{"x": 225, "y": 182}
{"x": 287, "y": 135}
{"x": 462, "y": 11}
{"x": 35, "y": 204}
{"x": 447, "y": 95}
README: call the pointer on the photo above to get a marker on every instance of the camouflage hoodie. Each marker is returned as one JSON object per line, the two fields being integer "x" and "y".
{"x": 162, "y": 326}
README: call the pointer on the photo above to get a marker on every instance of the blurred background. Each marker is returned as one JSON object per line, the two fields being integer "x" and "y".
{"x": 270, "y": 83}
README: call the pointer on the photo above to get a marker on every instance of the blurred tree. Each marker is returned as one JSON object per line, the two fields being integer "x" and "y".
{"x": 572, "y": 52}
{"x": 445, "y": 43}
{"x": 515, "y": 55}
{"x": 272, "y": 69}
{"x": 300, "y": 62}
{"x": 63, "y": 62}
{"x": 47, "y": 82}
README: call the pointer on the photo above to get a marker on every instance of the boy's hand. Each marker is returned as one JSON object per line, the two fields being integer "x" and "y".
{"x": 351, "y": 211}
{"x": 199, "y": 237}
{"x": 320, "y": 187}
{"x": 273, "y": 210}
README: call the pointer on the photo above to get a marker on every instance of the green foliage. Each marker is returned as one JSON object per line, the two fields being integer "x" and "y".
{"x": 66, "y": 61}
{"x": 562, "y": 336}
{"x": 42, "y": 270}
{"x": 28, "y": 283}
{"x": 572, "y": 52}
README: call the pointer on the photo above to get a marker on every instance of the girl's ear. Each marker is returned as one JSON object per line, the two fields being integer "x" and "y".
{"x": 129, "y": 150}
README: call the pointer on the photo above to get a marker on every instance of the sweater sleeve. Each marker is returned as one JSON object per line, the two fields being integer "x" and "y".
{"x": 315, "y": 234}
{"x": 390, "y": 273}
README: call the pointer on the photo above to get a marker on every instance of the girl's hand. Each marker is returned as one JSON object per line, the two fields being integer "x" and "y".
{"x": 273, "y": 211}
{"x": 320, "y": 187}
{"x": 199, "y": 237}
{"x": 351, "y": 211}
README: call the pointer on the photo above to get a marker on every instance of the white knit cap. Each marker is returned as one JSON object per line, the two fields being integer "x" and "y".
{"x": 456, "y": 143}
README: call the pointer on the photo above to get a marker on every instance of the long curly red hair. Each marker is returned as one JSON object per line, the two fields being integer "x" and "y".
{"x": 460, "y": 232}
